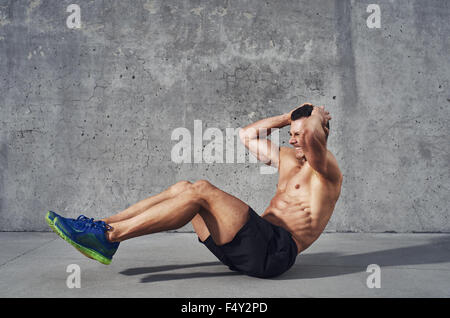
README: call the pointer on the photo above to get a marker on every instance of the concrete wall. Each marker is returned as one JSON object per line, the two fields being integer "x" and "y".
{"x": 87, "y": 114}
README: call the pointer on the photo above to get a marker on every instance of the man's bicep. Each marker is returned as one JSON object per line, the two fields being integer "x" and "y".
{"x": 265, "y": 151}
{"x": 324, "y": 163}
{"x": 316, "y": 153}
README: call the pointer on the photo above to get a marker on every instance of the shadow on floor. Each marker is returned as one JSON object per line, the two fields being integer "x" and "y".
{"x": 319, "y": 265}
{"x": 174, "y": 276}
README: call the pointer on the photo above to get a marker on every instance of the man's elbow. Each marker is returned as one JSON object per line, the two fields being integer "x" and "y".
{"x": 247, "y": 134}
{"x": 243, "y": 135}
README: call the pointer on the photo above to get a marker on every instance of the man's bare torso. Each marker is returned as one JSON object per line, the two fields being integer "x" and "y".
{"x": 300, "y": 191}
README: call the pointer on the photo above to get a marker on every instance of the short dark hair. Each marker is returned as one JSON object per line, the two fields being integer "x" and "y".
{"x": 304, "y": 111}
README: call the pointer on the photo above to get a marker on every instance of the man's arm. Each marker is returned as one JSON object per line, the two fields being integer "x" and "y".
{"x": 315, "y": 144}
{"x": 254, "y": 137}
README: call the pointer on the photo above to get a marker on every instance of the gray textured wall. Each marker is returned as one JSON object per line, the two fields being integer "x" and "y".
{"x": 87, "y": 114}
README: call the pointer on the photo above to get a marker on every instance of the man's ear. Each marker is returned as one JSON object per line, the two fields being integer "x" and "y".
{"x": 327, "y": 132}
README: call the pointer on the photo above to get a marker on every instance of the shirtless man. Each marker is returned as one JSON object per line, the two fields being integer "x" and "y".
{"x": 262, "y": 246}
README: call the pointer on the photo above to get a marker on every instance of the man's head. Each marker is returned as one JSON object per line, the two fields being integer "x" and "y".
{"x": 298, "y": 118}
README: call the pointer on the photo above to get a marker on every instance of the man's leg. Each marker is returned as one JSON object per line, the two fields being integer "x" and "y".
{"x": 197, "y": 222}
{"x": 145, "y": 204}
{"x": 200, "y": 227}
{"x": 223, "y": 214}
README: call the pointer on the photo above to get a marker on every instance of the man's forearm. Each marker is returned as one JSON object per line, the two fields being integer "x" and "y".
{"x": 253, "y": 130}
{"x": 313, "y": 126}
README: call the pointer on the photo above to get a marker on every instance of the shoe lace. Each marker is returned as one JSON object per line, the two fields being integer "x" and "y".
{"x": 90, "y": 223}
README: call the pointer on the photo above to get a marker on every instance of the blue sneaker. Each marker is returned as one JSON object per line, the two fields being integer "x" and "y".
{"x": 50, "y": 218}
{"x": 87, "y": 236}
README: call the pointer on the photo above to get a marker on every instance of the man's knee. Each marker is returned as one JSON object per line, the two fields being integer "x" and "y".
{"x": 199, "y": 186}
{"x": 202, "y": 186}
{"x": 197, "y": 191}
{"x": 180, "y": 186}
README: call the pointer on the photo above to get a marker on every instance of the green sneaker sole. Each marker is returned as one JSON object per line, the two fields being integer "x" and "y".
{"x": 83, "y": 250}
{"x": 50, "y": 223}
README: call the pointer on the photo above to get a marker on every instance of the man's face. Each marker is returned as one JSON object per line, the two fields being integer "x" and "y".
{"x": 296, "y": 132}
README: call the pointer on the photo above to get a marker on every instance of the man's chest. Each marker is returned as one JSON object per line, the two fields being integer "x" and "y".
{"x": 295, "y": 180}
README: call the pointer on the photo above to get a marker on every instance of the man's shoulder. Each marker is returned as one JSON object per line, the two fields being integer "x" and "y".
{"x": 287, "y": 160}
{"x": 287, "y": 153}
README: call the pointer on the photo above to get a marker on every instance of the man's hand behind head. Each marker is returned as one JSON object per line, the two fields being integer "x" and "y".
{"x": 324, "y": 115}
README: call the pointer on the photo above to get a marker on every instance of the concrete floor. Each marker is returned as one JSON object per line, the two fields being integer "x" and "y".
{"x": 176, "y": 265}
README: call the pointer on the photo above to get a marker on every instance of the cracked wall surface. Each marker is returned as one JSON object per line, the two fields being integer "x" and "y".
{"x": 87, "y": 114}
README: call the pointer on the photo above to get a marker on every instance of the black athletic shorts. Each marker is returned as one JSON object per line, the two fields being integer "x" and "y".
{"x": 259, "y": 249}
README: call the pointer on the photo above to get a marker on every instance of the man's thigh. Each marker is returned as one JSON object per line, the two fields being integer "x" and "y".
{"x": 223, "y": 213}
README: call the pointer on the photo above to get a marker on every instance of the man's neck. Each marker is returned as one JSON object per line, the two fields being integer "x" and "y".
{"x": 301, "y": 161}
